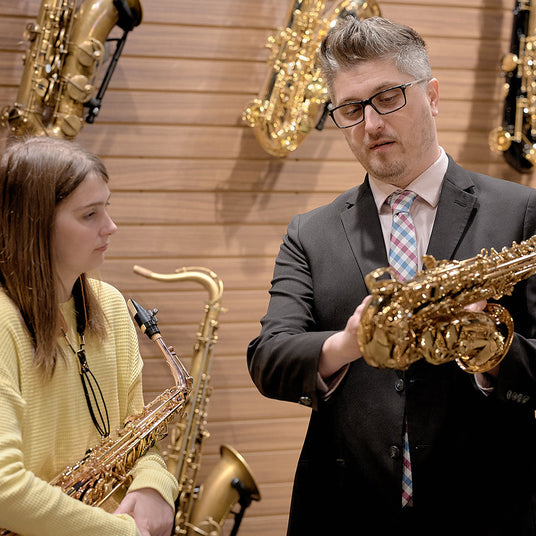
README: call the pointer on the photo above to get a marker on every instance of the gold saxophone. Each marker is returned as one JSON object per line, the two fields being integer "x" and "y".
{"x": 425, "y": 318}
{"x": 515, "y": 139}
{"x": 202, "y": 510}
{"x": 104, "y": 471}
{"x": 62, "y": 62}
{"x": 294, "y": 92}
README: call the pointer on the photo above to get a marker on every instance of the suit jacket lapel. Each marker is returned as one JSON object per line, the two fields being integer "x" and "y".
{"x": 363, "y": 231}
{"x": 456, "y": 203}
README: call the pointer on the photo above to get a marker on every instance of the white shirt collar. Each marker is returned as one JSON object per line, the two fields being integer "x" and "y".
{"x": 427, "y": 185}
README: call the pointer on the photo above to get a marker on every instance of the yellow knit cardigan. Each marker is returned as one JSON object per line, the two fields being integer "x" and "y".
{"x": 45, "y": 425}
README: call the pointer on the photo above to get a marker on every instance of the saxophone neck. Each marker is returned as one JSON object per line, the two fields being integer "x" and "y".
{"x": 182, "y": 378}
{"x": 148, "y": 324}
{"x": 205, "y": 277}
{"x": 489, "y": 275}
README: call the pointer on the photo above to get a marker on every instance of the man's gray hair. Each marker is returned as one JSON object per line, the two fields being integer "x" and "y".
{"x": 352, "y": 41}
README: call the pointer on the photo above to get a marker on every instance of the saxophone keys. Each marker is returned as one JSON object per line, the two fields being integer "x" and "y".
{"x": 509, "y": 63}
{"x": 90, "y": 53}
{"x": 499, "y": 140}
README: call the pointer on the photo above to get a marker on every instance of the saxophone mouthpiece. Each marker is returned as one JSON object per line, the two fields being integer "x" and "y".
{"x": 145, "y": 319}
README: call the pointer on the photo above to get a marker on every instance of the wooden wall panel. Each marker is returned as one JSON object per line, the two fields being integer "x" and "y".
{"x": 188, "y": 108}
{"x": 192, "y": 187}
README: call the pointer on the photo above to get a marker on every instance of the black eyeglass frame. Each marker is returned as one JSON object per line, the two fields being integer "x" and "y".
{"x": 368, "y": 101}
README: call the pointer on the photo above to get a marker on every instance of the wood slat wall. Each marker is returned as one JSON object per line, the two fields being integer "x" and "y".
{"x": 192, "y": 186}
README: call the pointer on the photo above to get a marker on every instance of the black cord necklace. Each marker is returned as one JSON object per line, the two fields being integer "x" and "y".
{"x": 92, "y": 391}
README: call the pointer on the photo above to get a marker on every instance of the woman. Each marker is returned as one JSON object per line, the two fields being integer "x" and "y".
{"x": 55, "y": 229}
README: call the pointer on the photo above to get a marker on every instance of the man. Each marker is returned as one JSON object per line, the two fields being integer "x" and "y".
{"x": 471, "y": 437}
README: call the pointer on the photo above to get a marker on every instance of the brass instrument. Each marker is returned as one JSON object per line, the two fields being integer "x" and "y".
{"x": 294, "y": 92}
{"x": 425, "y": 318}
{"x": 202, "y": 510}
{"x": 105, "y": 469}
{"x": 515, "y": 139}
{"x": 66, "y": 49}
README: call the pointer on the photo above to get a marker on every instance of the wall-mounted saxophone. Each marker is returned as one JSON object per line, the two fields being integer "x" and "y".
{"x": 293, "y": 94}
{"x": 67, "y": 47}
{"x": 516, "y": 137}
{"x": 103, "y": 475}
{"x": 203, "y": 510}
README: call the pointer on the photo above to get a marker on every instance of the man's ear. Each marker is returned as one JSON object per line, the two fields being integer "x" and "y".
{"x": 432, "y": 90}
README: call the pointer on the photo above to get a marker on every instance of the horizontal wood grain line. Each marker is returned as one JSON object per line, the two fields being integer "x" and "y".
{"x": 169, "y": 141}
{"x": 246, "y": 13}
{"x": 225, "y": 109}
{"x": 460, "y": 76}
{"x": 168, "y": 38}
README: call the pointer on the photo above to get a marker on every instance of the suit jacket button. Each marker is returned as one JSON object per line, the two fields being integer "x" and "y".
{"x": 306, "y": 401}
{"x": 394, "y": 452}
{"x": 399, "y": 385}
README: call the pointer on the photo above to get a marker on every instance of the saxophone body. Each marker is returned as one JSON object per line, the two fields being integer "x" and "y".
{"x": 203, "y": 510}
{"x": 293, "y": 93}
{"x": 515, "y": 139}
{"x": 425, "y": 318}
{"x": 104, "y": 472}
{"x": 61, "y": 64}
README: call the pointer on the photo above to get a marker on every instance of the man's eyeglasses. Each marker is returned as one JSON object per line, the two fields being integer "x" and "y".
{"x": 384, "y": 102}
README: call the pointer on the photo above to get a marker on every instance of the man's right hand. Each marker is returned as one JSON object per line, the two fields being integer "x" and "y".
{"x": 342, "y": 347}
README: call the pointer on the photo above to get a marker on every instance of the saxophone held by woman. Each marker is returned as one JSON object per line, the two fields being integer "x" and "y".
{"x": 104, "y": 471}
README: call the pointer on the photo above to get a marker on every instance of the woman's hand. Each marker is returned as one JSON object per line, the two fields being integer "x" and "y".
{"x": 152, "y": 514}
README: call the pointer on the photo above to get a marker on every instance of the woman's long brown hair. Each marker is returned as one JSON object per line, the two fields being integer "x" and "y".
{"x": 36, "y": 174}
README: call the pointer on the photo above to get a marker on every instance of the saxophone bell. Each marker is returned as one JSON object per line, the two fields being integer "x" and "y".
{"x": 211, "y": 508}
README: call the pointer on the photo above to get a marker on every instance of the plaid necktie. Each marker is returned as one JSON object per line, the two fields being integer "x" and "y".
{"x": 403, "y": 258}
{"x": 403, "y": 250}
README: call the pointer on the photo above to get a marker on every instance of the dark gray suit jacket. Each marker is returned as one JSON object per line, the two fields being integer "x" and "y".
{"x": 473, "y": 456}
